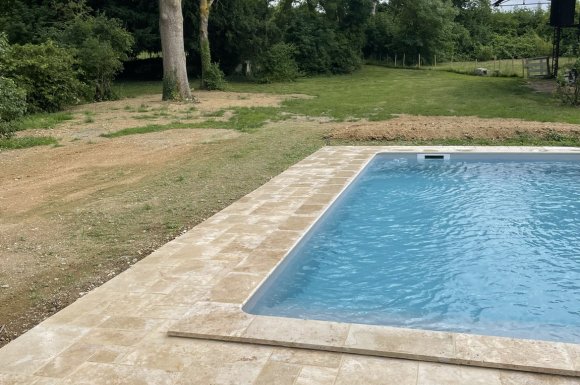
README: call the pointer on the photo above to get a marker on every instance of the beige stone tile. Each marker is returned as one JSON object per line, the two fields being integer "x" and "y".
{"x": 16, "y": 379}
{"x": 186, "y": 295}
{"x": 508, "y": 377}
{"x": 574, "y": 351}
{"x": 108, "y": 374}
{"x": 403, "y": 343}
{"x": 296, "y": 332}
{"x": 162, "y": 312}
{"x": 314, "y": 375}
{"x": 511, "y": 353}
{"x": 260, "y": 262}
{"x": 235, "y": 287}
{"x": 279, "y": 373}
{"x": 108, "y": 354}
{"x": 34, "y": 349}
{"x": 309, "y": 209}
{"x": 361, "y": 370}
{"x": 281, "y": 239}
{"x": 66, "y": 362}
{"x": 129, "y": 323}
{"x": 212, "y": 319}
{"x": 436, "y": 374}
{"x": 46, "y": 381}
{"x": 297, "y": 223}
{"x": 113, "y": 337}
{"x": 306, "y": 357}
{"x": 219, "y": 373}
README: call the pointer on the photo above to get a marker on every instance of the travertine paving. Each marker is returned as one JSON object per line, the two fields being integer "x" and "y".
{"x": 117, "y": 334}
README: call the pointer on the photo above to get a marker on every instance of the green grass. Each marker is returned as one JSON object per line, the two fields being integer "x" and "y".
{"x": 43, "y": 120}
{"x": 376, "y": 93}
{"x": 506, "y": 67}
{"x": 26, "y": 142}
{"x": 244, "y": 120}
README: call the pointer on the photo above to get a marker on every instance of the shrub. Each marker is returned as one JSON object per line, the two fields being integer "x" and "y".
{"x": 569, "y": 87}
{"x": 100, "y": 45}
{"x": 278, "y": 64}
{"x": 214, "y": 78}
{"x": 46, "y": 72}
{"x": 12, "y": 106}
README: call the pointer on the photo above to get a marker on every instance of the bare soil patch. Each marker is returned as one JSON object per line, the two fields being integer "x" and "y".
{"x": 423, "y": 128}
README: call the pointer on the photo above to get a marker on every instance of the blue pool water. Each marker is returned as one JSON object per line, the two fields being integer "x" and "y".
{"x": 478, "y": 244}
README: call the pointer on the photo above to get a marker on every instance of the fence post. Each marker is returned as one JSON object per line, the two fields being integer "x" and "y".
{"x": 435, "y": 61}
{"x": 404, "y": 59}
{"x": 395, "y": 60}
{"x": 419, "y": 62}
{"x": 523, "y": 68}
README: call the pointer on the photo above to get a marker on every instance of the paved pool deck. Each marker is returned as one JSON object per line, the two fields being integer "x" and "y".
{"x": 119, "y": 332}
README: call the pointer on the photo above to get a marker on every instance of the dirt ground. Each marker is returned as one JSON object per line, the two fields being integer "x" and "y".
{"x": 60, "y": 225}
{"x": 423, "y": 128}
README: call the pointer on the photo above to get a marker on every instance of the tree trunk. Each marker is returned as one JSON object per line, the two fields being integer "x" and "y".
{"x": 204, "y": 7}
{"x": 175, "y": 82}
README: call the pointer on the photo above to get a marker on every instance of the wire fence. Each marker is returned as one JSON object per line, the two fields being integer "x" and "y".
{"x": 501, "y": 67}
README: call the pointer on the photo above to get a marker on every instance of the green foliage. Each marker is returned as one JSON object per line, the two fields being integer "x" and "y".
{"x": 170, "y": 88}
{"x": 26, "y": 142}
{"x": 324, "y": 44}
{"x": 214, "y": 78}
{"x": 278, "y": 64}
{"x": 569, "y": 88}
{"x": 12, "y": 106}
{"x": 46, "y": 72}
{"x": 100, "y": 46}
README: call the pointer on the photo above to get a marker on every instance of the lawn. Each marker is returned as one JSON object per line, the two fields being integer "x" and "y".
{"x": 376, "y": 93}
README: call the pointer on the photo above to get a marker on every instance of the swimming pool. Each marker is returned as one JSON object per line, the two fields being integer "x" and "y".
{"x": 466, "y": 243}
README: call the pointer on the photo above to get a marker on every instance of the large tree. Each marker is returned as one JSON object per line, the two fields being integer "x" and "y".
{"x": 204, "y": 9}
{"x": 175, "y": 82}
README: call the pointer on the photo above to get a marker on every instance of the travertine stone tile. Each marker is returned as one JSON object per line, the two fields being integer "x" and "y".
{"x": 108, "y": 354}
{"x": 436, "y": 374}
{"x": 129, "y": 323}
{"x": 45, "y": 381}
{"x": 235, "y": 287}
{"x": 66, "y": 362}
{"x": 113, "y": 337}
{"x": 281, "y": 239}
{"x": 306, "y": 357}
{"x": 508, "y": 377}
{"x": 219, "y": 373}
{"x": 295, "y": 332}
{"x": 508, "y": 353}
{"x": 315, "y": 375}
{"x": 162, "y": 312}
{"x": 108, "y": 374}
{"x": 16, "y": 379}
{"x": 297, "y": 223}
{"x": 361, "y": 370}
{"x": 574, "y": 351}
{"x": 279, "y": 373}
{"x": 259, "y": 262}
{"x": 186, "y": 295}
{"x": 212, "y": 319}
{"x": 403, "y": 343}
{"x": 307, "y": 209}
{"x": 33, "y": 350}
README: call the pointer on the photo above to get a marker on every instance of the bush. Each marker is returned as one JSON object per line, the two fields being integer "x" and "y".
{"x": 100, "y": 45}
{"x": 46, "y": 72}
{"x": 278, "y": 64}
{"x": 214, "y": 78}
{"x": 12, "y": 106}
{"x": 569, "y": 87}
